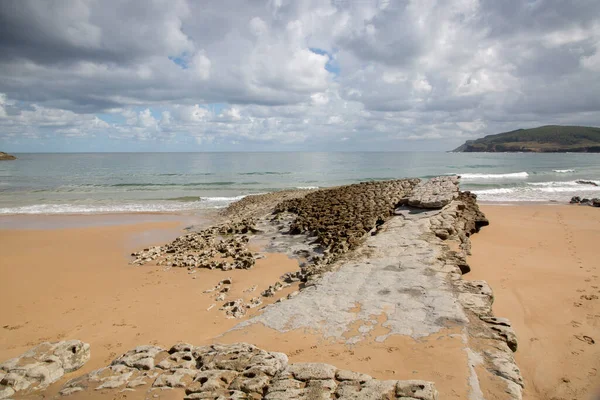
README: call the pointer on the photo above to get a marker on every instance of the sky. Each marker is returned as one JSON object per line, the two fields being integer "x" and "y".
{"x": 279, "y": 75}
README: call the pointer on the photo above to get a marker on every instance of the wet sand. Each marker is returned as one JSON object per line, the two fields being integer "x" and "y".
{"x": 542, "y": 263}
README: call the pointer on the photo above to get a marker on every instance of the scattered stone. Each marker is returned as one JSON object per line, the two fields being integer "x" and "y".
{"x": 235, "y": 308}
{"x": 251, "y": 289}
{"x": 271, "y": 290}
{"x": 595, "y": 202}
{"x": 205, "y": 249}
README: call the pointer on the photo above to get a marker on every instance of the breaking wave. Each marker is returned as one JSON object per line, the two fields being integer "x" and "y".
{"x": 514, "y": 175}
{"x": 169, "y": 205}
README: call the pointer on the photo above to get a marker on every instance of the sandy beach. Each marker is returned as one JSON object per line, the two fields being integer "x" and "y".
{"x": 542, "y": 263}
{"x": 77, "y": 283}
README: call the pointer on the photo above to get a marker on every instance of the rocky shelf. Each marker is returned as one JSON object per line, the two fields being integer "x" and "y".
{"x": 239, "y": 371}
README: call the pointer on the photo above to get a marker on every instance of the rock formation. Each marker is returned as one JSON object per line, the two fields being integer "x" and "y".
{"x": 239, "y": 371}
{"x": 434, "y": 193}
{"x": 595, "y": 202}
{"x": 400, "y": 242}
{"x": 404, "y": 261}
{"x": 41, "y": 366}
{"x": 223, "y": 247}
{"x": 6, "y": 156}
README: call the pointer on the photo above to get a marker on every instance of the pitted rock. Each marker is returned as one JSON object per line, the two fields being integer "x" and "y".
{"x": 42, "y": 365}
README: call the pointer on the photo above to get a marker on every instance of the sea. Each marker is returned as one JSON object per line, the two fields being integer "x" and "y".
{"x": 84, "y": 183}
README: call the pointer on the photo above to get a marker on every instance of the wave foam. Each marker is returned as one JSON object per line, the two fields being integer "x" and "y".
{"x": 563, "y": 171}
{"x": 539, "y": 191}
{"x": 514, "y": 175}
{"x": 167, "y": 206}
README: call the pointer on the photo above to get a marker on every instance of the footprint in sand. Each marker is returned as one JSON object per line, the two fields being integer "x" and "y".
{"x": 586, "y": 339}
{"x": 575, "y": 324}
{"x": 589, "y": 297}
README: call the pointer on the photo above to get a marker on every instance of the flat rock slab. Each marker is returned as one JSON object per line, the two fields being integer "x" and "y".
{"x": 403, "y": 276}
{"x": 435, "y": 193}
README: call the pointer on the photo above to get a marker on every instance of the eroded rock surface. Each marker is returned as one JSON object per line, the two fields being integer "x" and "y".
{"x": 239, "y": 371}
{"x": 434, "y": 193}
{"x": 408, "y": 273}
{"x": 393, "y": 248}
{"x": 222, "y": 247}
{"x": 42, "y": 365}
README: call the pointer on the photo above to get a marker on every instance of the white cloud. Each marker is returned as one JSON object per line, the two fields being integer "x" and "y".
{"x": 284, "y": 72}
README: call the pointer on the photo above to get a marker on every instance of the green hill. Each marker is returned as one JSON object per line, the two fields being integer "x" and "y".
{"x": 545, "y": 139}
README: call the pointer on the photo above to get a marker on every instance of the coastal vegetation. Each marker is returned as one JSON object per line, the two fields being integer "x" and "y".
{"x": 6, "y": 156}
{"x": 543, "y": 139}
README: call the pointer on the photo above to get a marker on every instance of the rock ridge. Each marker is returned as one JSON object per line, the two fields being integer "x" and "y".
{"x": 239, "y": 371}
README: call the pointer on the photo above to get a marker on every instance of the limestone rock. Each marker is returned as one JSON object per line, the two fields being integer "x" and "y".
{"x": 503, "y": 328}
{"x": 476, "y": 296}
{"x": 503, "y": 364}
{"x": 42, "y": 365}
{"x": 416, "y": 389}
{"x": 308, "y": 371}
{"x": 240, "y": 371}
{"x": 434, "y": 193}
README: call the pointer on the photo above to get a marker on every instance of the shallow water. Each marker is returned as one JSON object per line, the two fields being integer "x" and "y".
{"x": 148, "y": 182}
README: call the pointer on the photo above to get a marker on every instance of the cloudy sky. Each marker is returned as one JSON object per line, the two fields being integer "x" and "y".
{"x": 234, "y": 75}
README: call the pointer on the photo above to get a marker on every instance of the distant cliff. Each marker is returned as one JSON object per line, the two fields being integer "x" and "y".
{"x": 6, "y": 156}
{"x": 545, "y": 139}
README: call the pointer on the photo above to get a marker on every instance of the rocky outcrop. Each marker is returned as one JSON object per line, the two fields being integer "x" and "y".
{"x": 407, "y": 264}
{"x": 239, "y": 371}
{"x": 434, "y": 193}
{"x": 41, "y": 366}
{"x": 595, "y": 202}
{"x": 341, "y": 216}
{"x": 394, "y": 248}
{"x": 6, "y": 156}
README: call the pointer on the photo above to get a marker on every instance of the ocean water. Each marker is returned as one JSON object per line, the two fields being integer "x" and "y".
{"x": 147, "y": 182}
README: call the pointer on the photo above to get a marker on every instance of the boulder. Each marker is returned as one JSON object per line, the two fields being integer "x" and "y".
{"x": 42, "y": 365}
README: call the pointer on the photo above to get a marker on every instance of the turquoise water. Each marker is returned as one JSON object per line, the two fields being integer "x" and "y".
{"x": 119, "y": 182}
